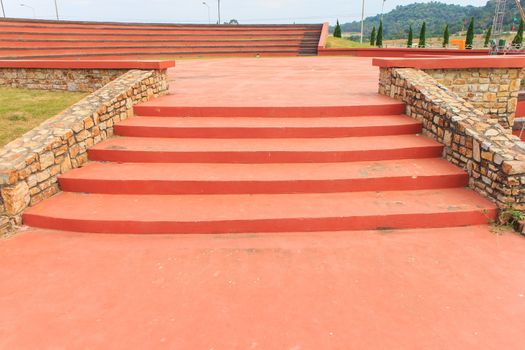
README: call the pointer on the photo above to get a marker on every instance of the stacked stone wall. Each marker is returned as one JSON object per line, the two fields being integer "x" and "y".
{"x": 30, "y": 165}
{"x": 494, "y": 91}
{"x": 493, "y": 158}
{"x": 86, "y": 80}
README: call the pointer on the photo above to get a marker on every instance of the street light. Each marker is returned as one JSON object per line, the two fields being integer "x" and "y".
{"x": 32, "y": 9}
{"x": 362, "y": 20}
{"x": 56, "y": 10}
{"x": 382, "y": 9}
{"x": 3, "y": 10}
{"x": 208, "y": 6}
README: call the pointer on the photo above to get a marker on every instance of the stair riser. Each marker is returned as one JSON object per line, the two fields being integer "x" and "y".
{"x": 401, "y": 221}
{"x": 261, "y": 187}
{"x": 154, "y": 50}
{"x": 151, "y": 43}
{"x": 271, "y": 112}
{"x": 137, "y": 131}
{"x": 112, "y": 155}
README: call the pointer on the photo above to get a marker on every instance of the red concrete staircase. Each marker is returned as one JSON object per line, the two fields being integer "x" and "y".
{"x": 207, "y": 174}
{"x": 38, "y": 39}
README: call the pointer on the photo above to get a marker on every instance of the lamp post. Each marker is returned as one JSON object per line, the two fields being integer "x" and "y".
{"x": 32, "y": 9}
{"x": 208, "y": 6}
{"x": 56, "y": 10}
{"x": 219, "y": 10}
{"x": 383, "y": 9}
{"x": 3, "y": 10}
{"x": 362, "y": 20}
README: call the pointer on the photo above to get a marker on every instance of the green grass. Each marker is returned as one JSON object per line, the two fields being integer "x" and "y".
{"x": 342, "y": 43}
{"x": 21, "y": 110}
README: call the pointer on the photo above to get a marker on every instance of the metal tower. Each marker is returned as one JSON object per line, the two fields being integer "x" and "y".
{"x": 497, "y": 24}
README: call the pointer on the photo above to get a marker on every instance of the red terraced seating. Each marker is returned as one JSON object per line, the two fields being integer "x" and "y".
{"x": 26, "y": 39}
{"x": 216, "y": 174}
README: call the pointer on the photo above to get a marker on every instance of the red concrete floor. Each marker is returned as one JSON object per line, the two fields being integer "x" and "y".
{"x": 306, "y": 81}
{"x": 457, "y": 288}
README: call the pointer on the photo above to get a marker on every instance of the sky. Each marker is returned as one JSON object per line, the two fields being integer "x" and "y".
{"x": 194, "y": 11}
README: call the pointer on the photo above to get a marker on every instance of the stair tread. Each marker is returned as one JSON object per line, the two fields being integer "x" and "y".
{"x": 368, "y": 143}
{"x": 143, "y": 209}
{"x": 263, "y": 172}
{"x": 261, "y": 122}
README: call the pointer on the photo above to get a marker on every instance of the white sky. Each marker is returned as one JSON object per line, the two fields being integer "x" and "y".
{"x": 193, "y": 11}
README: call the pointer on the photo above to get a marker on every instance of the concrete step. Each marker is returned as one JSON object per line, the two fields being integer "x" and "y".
{"x": 165, "y": 49}
{"x": 267, "y": 127}
{"x": 146, "y": 214}
{"x": 372, "y": 106}
{"x": 284, "y": 150}
{"x": 184, "y": 178}
{"x": 66, "y": 43}
{"x": 168, "y": 54}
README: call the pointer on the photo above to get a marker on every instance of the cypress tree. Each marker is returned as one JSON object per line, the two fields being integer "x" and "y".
{"x": 446, "y": 37}
{"x": 487, "y": 37}
{"x": 337, "y": 30}
{"x": 518, "y": 39}
{"x": 373, "y": 37}
{"x": 379, "y": 39}
{"x": 470, "y": 35}
{"x": 423, "y": 35}
{"x": 410, "y": 37}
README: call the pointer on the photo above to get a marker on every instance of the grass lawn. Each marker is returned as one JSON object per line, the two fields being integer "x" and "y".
{"x": 21, "y": 110}
{"x": 338, "y": 43}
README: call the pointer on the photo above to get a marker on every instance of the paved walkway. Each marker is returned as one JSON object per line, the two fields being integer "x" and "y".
{"x": 306, "y": 81}
{"x": 421, "y": 289}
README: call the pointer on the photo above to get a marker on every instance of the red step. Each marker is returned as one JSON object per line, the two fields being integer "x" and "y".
{"x": 142, "y": 214}
{"x": 267, "y": 127}
{"x": 289, "y": 150}
{"x": 181, "y": 178}
{"x": 158, "y": 108}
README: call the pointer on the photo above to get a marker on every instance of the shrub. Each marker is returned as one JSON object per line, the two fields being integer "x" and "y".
{"x": 379, "y": 39}
{"x": 337, "y": 30}
{"x": 446, "y": 37}
{"x": 410, "y": 37}
{"x": 423, "y": 35}
{"x": 470, "y": 34}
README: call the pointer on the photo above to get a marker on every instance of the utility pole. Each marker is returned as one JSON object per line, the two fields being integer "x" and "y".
{"x": 362, "y": 20}
{"x": 382, "y": 9}
{"x": 56, "y": 10}
{"x": 3, "y": 10}
{"x": 219, "y": 10}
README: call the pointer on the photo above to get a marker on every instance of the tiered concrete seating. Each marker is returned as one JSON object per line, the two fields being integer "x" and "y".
{"x": 23, "y": 39}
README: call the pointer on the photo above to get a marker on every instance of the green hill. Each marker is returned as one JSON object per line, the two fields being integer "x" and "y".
{"x": 437, "y": 15}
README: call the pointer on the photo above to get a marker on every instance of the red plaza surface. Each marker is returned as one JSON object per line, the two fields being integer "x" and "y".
{"x": 456, "y": 288}
{"x": 445, "y": 288}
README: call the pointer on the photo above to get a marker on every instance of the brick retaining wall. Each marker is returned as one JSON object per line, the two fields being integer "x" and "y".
{"x": 492, "y": 156}
{"x": 30, "y": 165}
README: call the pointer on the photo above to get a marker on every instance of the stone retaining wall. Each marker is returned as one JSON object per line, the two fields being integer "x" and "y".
{"x": 494, "y": 91}
{"x": 493, "y": 158}
{"x": 87, "y": 80}
{"x": 30, "y": 165}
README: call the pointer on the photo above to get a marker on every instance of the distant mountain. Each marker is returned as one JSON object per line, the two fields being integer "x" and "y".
{"x": 437, "y": 15}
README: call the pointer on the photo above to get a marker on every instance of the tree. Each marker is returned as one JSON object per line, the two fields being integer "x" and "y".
{"x": 379, "y": 39}
{"x": 518, "y": 39}
{"x": 470, "y": 35}
{"x": 487, "y": 37}
{"x": 423, "y": 35}
{"x": 337, "y": 30}
{"x": 373, "y": 37}
{"x": 410, "y": 37}
{"x": 446, "y": 37}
